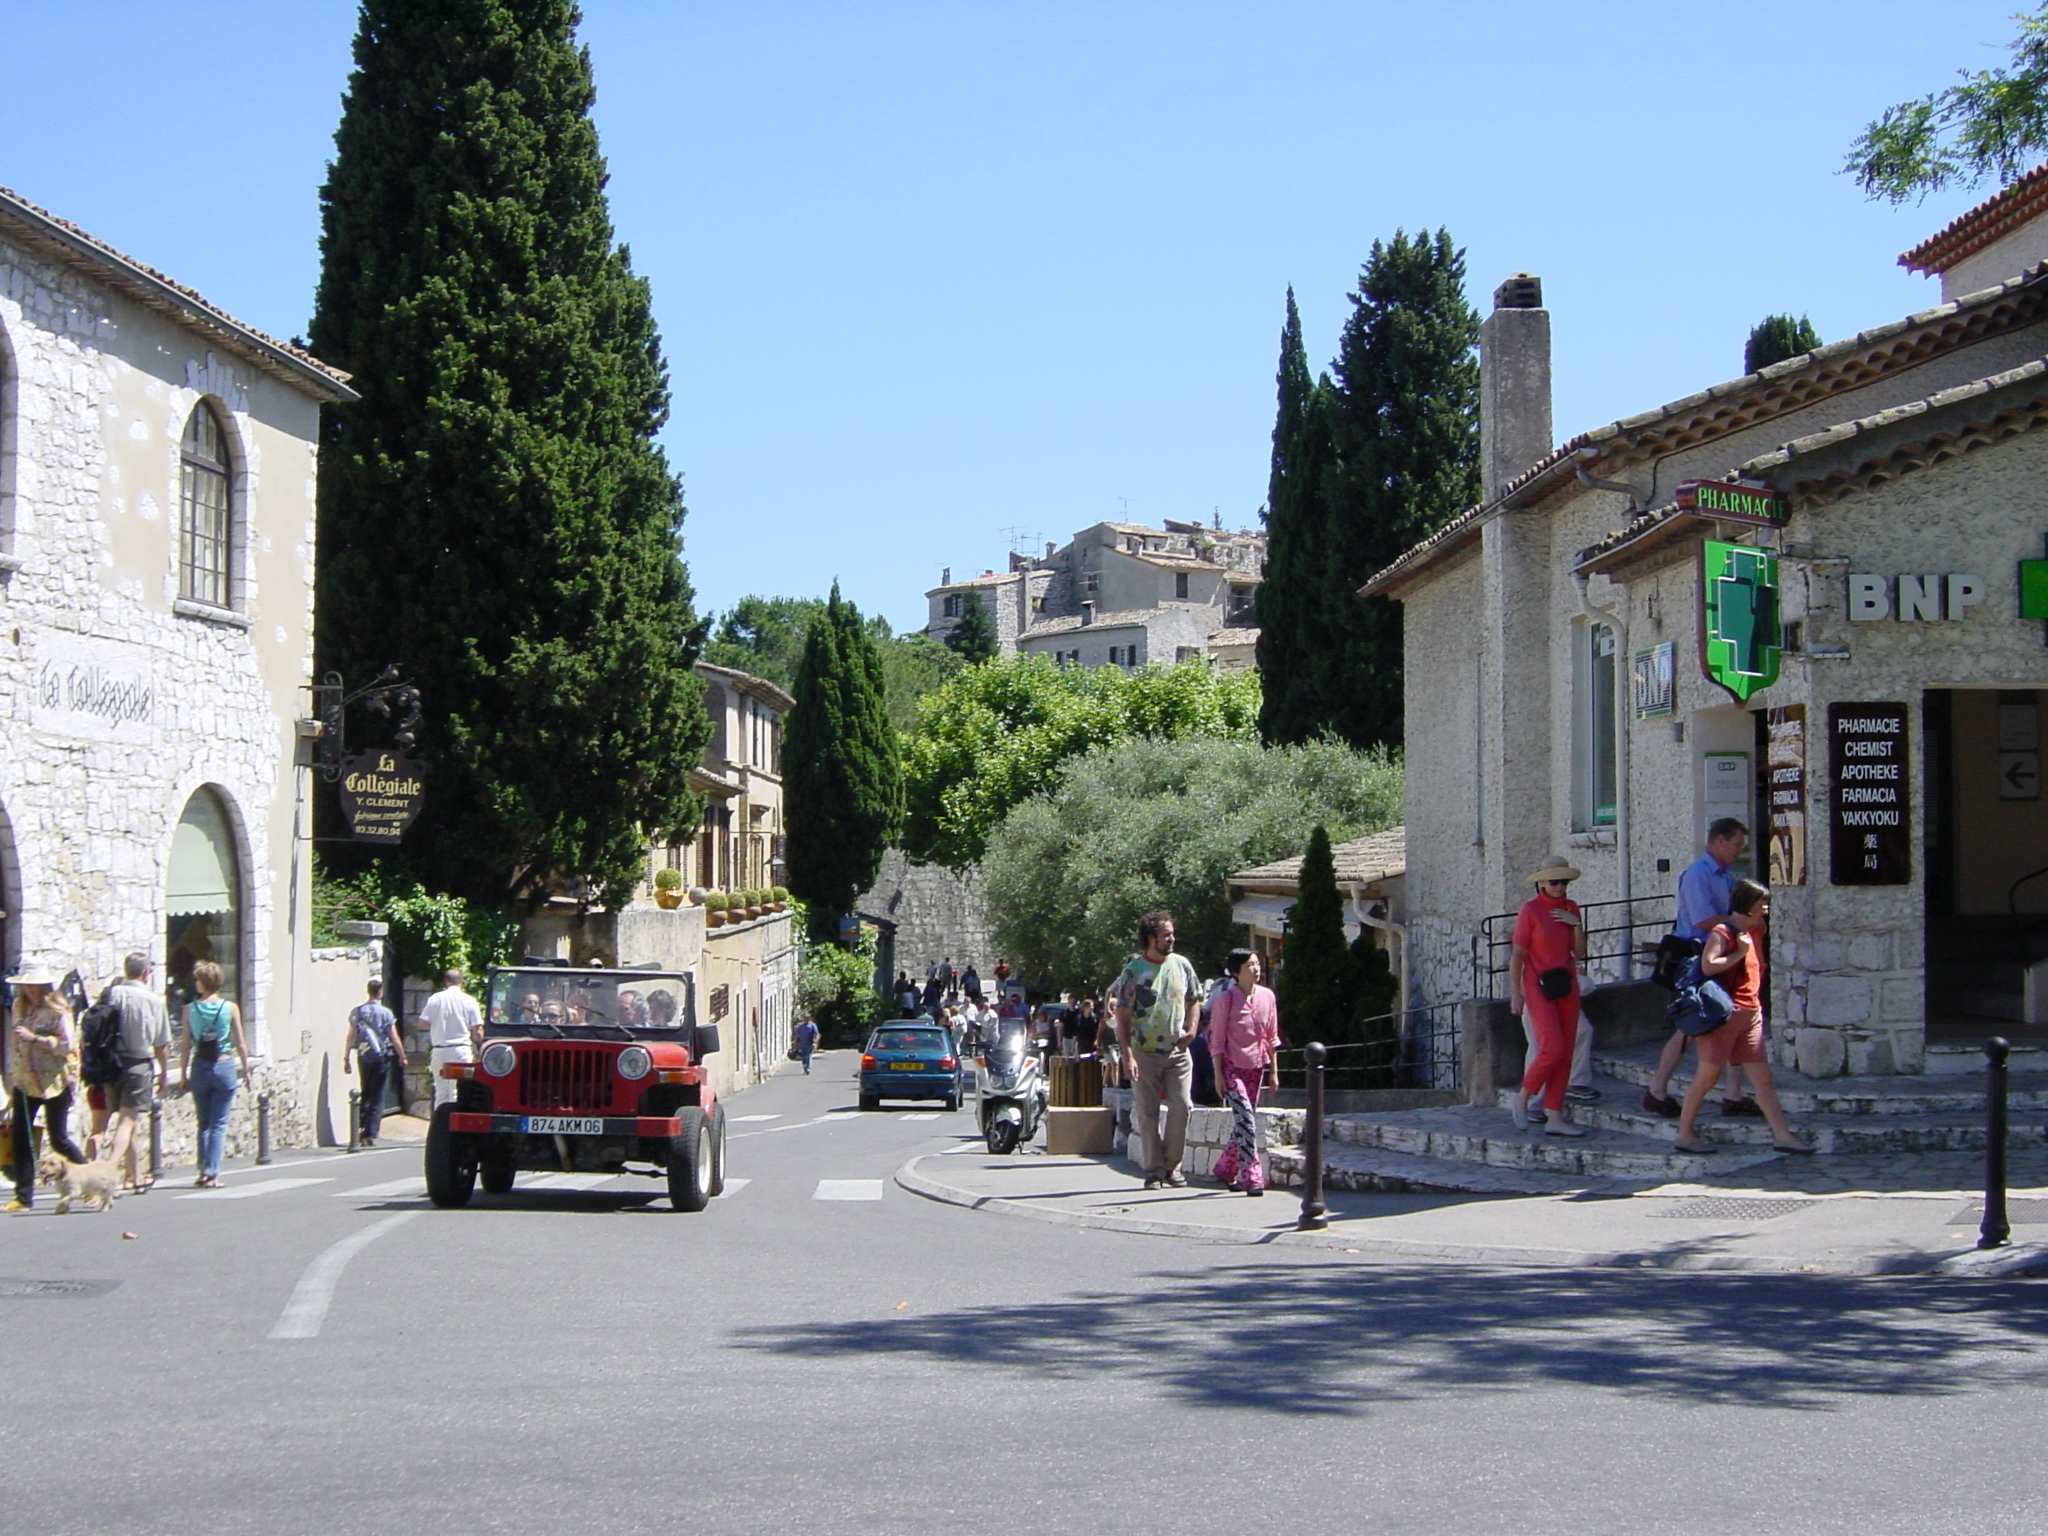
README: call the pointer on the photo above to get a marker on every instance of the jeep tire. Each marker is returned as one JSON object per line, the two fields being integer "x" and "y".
{"x": 451, "y": 1162}
{"x": 691, "y": 1160}
{"x": 496, "y": 1173}
{"x": 717, "y": 1150}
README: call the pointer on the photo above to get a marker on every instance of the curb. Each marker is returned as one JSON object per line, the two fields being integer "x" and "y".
{"x": 2003, "y": 1263}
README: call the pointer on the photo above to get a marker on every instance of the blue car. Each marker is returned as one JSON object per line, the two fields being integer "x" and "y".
{"x": 910, "y": 1059}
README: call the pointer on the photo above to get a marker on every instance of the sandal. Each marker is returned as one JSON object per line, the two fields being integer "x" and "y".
{"x": 1799, "y": 1148}
{"x": 1695, "y": 1148}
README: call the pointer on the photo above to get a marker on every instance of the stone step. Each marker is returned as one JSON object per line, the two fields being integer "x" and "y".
{"x": 1464, "y": 1134}
{"x": 1371, "y": 1169}
{"x": 1940, "y": 1090}
{"x": 1873, "y": 1135}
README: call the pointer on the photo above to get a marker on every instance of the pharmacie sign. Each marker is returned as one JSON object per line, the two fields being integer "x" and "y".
{"x": 1726, "y": 502}
{"x": 1740, "y": 644}
{"x": 380, "y": 795}
{"x": 1869, "y": 795}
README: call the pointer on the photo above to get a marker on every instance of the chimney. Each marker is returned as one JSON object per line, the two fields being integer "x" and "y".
{"x": 1514, "y": 383}
{"x": 945, "y": 575}
{"x": 1050, "y": 549}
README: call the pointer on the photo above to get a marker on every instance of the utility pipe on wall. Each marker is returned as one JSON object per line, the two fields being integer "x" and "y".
{"x": 1364, "y": 918}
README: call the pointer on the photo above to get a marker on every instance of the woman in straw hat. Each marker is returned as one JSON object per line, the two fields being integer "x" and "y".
{"x": 41, "y": 1069}
{"x": 1543, "y": 989}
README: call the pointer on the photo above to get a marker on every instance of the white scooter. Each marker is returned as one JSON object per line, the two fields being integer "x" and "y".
{"x": 1010, "y": 1090}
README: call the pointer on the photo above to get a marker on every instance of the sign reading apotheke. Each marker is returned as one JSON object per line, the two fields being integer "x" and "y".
{"x": 1869, "y": 795}
{"x": 1739, "y": 644}
{"x": 380, "y": 795}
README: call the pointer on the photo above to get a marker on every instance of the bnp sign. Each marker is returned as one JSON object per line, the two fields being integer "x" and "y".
{"x": 1740, "y": 638}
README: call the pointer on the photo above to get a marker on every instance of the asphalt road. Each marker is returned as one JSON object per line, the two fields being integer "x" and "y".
{"x": 335, "y": 1357}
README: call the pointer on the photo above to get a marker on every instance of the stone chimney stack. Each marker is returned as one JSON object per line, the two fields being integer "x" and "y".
{"x": 946, "y": 576}
{"x": 1514, "y": 383}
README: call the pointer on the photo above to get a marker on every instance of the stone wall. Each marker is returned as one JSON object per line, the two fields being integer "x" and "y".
{"x": 939, "y": 914}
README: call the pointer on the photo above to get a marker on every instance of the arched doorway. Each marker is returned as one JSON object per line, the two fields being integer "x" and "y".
{"x": 203, "y": 900}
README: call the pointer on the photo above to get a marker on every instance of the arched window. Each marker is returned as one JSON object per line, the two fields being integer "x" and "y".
{"x": 203, "y": 899}
{"x": 206, "y": 536}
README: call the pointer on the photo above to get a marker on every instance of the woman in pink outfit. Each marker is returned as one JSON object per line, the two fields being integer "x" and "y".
{"x": 1244, "y": 1035}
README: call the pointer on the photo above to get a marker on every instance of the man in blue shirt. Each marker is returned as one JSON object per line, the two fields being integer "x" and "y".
{"x": 1706, "y": 889}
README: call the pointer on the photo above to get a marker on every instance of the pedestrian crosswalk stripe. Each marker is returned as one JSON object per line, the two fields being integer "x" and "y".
{"x": 415, "y": 1185}
{"x": 734, "y": 1186}
{"x": 743, "y": 1119}
{"x": 848, "y": 1189}
{"x": 249, "y": 1191}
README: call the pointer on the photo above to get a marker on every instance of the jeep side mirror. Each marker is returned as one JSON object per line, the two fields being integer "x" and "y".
{"x": 703, "y": 1041}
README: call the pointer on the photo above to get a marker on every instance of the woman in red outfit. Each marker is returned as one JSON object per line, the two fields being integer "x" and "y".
{"x": 1734, "y": 954}
{"x": 1543, "y": 989}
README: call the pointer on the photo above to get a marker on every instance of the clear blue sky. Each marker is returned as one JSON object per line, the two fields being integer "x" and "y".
{"x": 929, "y": 272}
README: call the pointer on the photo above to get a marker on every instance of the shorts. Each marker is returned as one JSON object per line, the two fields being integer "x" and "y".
{"x": 96, "y": 1098}
{"x": 1739, "y": 1042}
{"x": 134, "y": 1089}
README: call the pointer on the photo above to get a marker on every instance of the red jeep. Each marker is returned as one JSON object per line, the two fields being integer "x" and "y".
{"x": 583, "y": 1071}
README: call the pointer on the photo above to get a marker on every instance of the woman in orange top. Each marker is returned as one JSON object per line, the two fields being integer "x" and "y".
{"x": 1734, "y": 952}
{"x": 1543, "y": 987}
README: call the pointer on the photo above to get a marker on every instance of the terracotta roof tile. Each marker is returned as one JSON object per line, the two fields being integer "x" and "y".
{"x": 1968, "y": 233}
{"x": 1376, "y": 856}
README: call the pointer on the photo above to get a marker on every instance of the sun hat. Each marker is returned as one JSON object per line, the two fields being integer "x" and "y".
{"x": 33, "y": 976}
{"x": 1556, "y": 869}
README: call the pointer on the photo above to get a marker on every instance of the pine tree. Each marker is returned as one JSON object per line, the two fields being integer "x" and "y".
{"x": 1776, "y": 338}
{"x": 1312, "y": 984}
{"x": 842, "y": 781}
{"x": 974, "y": 637}
{"x": 494, "y": 514}
{"x": 1303, "y": 601}
{"x": 1406, "y": 428}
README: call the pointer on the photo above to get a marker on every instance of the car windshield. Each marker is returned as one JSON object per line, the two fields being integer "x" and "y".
{"x": 543, "y": 1001}
{"x": 909, "y": 1040}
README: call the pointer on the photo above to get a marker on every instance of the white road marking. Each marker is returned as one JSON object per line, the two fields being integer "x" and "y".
{"x": 848, "y": 1189}
{"x": 416, "y": 1185}
{"x": 307, "y": 1310}
{"x": 933, "y": 1115}
{"x": 248, "y": 1191}
{"x": 734, "y": 1186}
{"x": 743, "y": 1119}
{"x": 326, "y": 1158}
{"x": 563, "y": 1181}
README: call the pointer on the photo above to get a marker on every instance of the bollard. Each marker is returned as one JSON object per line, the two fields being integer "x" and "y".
{"x": 156, "y": 1137}
{"x": 262, "y": 1128}
{"x": 1995, "y": 1229}
{"x": 1313, "y": 1211}
{"x": 355, "y": 1117}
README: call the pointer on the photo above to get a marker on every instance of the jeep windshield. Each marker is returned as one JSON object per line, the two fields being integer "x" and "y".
{"x": 547, "y": 1002}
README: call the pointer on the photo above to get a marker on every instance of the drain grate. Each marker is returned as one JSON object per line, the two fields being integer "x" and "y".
{"x": 14, "y": 1287}
{"x": 1726, "y": 1208}
{"x": 2031, "y": 1211}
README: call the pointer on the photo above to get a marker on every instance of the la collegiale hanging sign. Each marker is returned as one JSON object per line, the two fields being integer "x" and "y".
{"x": 380, "y": 791}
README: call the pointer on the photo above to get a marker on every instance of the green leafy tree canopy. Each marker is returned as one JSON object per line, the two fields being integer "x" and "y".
{"x": 974, "y": 636}
{"x": 1986, "y": 127}
{"x": 494, "y": 516}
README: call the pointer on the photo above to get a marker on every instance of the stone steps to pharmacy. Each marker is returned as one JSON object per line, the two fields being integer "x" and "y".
{"x": 1371, "y": 1169}
{"x": 1465, "y": 1134}
{"x": 1936, "y": 1093}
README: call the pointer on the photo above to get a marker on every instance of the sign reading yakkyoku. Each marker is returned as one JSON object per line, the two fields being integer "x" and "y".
{"x": 380, "y": 795}
{"x": 1869, "y": 795}
{"x": 1739, "y": 637}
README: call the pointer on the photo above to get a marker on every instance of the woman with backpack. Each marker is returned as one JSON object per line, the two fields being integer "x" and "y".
{"x": 1734, "y": 957}
{"x": 212, "y": 1025}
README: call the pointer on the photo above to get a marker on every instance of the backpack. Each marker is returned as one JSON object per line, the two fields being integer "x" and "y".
{"x": 99, "y": 1033}
{"x": 1699, "y": 1004}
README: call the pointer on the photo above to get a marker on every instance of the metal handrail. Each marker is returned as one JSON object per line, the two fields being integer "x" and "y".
{"x": 1416, "y": 1048}
{"x": 1497, "y": 938}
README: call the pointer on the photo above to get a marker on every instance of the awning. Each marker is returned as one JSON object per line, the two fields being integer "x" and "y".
{"x": 1268, "y": 914}
{"x": 202, "y": 873}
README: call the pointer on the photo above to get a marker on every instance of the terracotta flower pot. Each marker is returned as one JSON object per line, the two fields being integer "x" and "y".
{"x": 714, "y": 918}
{"x": 667, "y": 898}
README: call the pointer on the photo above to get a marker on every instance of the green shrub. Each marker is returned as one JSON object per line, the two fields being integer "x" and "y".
{"x": 668, "y": 879}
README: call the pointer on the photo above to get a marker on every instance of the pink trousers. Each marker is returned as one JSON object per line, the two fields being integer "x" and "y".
{"x": 1556, "y": 1026}
{"x": 1240, "y": 1161}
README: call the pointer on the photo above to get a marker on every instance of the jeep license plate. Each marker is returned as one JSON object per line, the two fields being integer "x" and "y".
{"x": 560, "y": 1125}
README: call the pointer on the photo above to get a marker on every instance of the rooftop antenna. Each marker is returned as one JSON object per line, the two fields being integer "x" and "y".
{"x": 1216, "y": 518}
{"x": 1125, "y": 502}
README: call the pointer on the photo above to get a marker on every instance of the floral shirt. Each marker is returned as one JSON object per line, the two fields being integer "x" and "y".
{"x": 1157, "y": 995}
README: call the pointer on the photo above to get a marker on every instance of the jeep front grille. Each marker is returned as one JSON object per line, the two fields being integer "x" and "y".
{"x": 571, "y": 1078}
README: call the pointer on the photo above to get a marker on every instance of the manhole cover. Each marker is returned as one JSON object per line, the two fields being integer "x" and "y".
{"x": 1725, "y": 1208}
{"x": 11, "y": 1287}
{"x": 2029, "y": 1212}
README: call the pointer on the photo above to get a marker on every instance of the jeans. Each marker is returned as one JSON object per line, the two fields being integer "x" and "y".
{"x": 375, "y": 1070}
{"x": 804, "y": 1054}
{"x": 213, "y": 1086}
{"x": 56, "y": 1114}
{"x": 1163, "y": 1078}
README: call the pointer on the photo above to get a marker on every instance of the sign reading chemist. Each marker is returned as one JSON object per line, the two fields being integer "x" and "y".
{"x": 1911, "y": 599}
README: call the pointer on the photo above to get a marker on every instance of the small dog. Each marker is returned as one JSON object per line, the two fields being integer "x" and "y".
{"x": 80, "y": 1181}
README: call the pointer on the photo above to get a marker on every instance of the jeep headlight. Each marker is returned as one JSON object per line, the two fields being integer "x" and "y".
{"x": 635, "y": 1063}
{"x": 498, "y": 1059}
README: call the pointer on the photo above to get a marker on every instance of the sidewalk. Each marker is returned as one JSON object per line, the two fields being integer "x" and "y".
{"x": 1665, "y": 1227}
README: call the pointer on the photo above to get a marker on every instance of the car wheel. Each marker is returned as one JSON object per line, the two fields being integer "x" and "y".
{"x": 952, "y": 1101}
{"x": 717, "y": 1150}
{"x": 495, "y": 1174}
{"x": 871, "y": 1101}
{"x": 689, "y": 1162}
{"x": 451, "y": 1162}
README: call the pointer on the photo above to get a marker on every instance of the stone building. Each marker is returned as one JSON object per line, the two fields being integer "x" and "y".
{"x": 1121, "y": 594}
{"x": 741, "y": 844}
{"x": 1811, "y": 598}
{"x": 157, "y": 468}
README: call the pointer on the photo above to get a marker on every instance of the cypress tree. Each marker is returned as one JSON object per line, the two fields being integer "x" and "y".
{"x": 842, "y": 778}
{"x": 1312, "y": 984}
{"x": 974, "y": 637}
{"x": 1303, "y": 601}
{"x": 1776, "y": 338}
{"x": 494, "y": 514}
{"x": 1405, "y": 417}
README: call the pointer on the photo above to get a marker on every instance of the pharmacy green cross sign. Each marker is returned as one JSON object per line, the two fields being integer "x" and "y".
{"x": 1739, "y": 633}
{"x": 2034, "y": 591}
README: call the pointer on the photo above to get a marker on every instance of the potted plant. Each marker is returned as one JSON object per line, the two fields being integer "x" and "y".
{"x": 714, "y": 909}
{"x": 752, "y": 898}
{"x": 781, "y": 896}
{"x": 668, "y": 889}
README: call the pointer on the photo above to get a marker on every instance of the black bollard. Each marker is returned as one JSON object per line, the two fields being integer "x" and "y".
{"x": 1995, "y": 1229}
{"x": 1313, "y": 1211}
{"x": 262, "y": 1128}
{"x": 156, "y": 1137}
{"x": 355, "y": 1117}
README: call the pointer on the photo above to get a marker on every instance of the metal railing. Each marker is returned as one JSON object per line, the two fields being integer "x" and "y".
{"x": 1619, "y": 938}
{"x": 1417, "y": 1048}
